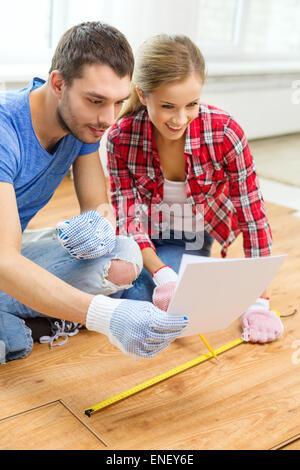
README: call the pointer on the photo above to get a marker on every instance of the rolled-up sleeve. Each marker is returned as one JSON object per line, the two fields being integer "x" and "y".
{"x": 245, "y": 193}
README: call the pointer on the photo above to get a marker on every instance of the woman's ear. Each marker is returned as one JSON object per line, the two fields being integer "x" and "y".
{"x": 141, "y": 96}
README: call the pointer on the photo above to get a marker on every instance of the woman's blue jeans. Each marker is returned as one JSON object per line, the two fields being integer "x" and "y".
{"x": 170, "y": 250}
{"x": 89, "y": 276}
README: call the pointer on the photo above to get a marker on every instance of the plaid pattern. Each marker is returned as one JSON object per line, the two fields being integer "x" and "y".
{"x": 221, "y": 180}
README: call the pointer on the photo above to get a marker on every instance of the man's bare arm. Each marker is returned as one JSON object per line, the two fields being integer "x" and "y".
{"x": 26, "y": 281}
{"x": 91, "y": 187}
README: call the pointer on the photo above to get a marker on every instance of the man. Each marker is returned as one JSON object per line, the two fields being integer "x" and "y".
{"x": 44, "y": 129}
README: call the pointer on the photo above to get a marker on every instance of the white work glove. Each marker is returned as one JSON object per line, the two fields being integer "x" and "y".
{"x": 165, "y": 280}
{"x": 87, "y": 236}
{"x": 137, "y": 328}
{"x": 260, "y": 324}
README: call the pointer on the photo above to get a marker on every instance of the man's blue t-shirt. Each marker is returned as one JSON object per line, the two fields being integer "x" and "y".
{"x": 34, "y": 173}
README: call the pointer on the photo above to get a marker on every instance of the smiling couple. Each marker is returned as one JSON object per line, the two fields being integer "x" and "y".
{"x": 106, "y": 269}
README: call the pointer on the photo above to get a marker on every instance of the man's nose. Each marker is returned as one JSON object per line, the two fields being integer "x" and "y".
{"x": 107, "y": 116}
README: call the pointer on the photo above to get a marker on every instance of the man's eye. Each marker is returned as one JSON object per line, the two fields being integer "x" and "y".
{"x": 95, "y": 101}
{"x": 167, "y": 106}
{"x": 191, "y": 105}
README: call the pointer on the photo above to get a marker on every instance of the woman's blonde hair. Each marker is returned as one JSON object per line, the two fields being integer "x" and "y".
{"x": 160, "y": 60}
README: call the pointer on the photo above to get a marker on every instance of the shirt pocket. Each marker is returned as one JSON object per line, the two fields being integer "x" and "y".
{"x": 145, "y": 186}
{"x": 206, "y": 183}
{"x": 211, "y": 183}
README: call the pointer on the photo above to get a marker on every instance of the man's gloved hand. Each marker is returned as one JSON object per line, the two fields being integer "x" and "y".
{"x": 137, "y": 328}
{"x": 87, "y": 236}
{"x": 165, "y": 280}
{"x": 260, "y": 325}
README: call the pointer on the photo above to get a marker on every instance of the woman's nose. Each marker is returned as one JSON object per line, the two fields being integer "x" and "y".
{"x": 181, "y": 118}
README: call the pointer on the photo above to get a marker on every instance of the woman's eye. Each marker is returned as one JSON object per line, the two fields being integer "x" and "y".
{"x": 190, "y": 105}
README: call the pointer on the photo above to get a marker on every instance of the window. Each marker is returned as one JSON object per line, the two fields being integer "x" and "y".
{"x": 30, "y": 30}
{"x": 25, "y": 29}
{"x": 216, "y": 24}
{"x": 249, "y": 30}
{"x": 235, "y": 30}
{"x": 273, "y": 27}
{"x": 19, "y": 33}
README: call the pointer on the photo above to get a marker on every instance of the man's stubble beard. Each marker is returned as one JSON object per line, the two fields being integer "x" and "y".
{"x": 65, "y": 123}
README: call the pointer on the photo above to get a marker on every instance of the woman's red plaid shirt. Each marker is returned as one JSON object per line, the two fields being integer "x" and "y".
{"x": 221, "y": 182}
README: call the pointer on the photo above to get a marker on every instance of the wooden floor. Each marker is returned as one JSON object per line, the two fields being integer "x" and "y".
{"x": 249, "y": 399}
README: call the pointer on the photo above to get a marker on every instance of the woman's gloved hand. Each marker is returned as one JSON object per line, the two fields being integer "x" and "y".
{"x": 87, "y": 236}
{"x": 165, "y": 280}
{"x": 260, "y": 325}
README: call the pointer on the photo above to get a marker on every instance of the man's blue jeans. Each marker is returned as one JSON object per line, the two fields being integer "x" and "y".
{"x": 170, "y": 250}
{"x": 43, "y": 248}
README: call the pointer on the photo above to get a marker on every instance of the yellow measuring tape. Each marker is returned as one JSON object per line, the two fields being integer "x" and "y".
{"x": 138, "y": 388}
{"x": 166, "y": 375}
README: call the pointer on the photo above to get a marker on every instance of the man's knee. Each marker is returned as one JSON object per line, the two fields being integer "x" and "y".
{"x": 122, "y": 273}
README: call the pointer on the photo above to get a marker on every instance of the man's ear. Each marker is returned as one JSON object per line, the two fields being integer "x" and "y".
{"x": 57, "y": 83}
{"x": 141, "y": 96}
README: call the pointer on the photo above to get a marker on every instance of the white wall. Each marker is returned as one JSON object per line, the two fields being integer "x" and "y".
{"x": 263, "y": 105}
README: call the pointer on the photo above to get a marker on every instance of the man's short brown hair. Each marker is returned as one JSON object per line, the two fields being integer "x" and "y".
{"x": 91, "y": 43}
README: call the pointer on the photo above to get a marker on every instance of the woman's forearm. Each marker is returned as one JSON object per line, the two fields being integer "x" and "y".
{"x": 151, "y": 261}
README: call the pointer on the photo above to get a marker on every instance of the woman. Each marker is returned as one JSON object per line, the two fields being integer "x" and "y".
{"x": 181, "y": 169}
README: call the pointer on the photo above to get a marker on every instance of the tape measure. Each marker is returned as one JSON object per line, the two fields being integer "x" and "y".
{"x": 159, "y": 378}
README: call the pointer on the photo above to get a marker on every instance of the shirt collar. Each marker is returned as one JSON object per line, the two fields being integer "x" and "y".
{"x": 192, "y": 140}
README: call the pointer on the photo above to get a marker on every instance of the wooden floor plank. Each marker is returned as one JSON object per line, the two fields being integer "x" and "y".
{"x": 293, "y": 446}
{"x": 51, "y": 427}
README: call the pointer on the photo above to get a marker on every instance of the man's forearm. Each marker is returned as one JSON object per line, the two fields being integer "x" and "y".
{"x": 104, "y": 208}
{"x": 40, "y": 290}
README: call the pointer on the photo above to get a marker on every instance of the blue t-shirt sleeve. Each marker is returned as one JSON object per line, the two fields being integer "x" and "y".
{"x": 88, "y": 148}
{"x": 9, "y": 152}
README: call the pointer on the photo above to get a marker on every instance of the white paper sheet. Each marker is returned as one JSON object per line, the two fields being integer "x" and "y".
{"x": 213, "y": 292}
